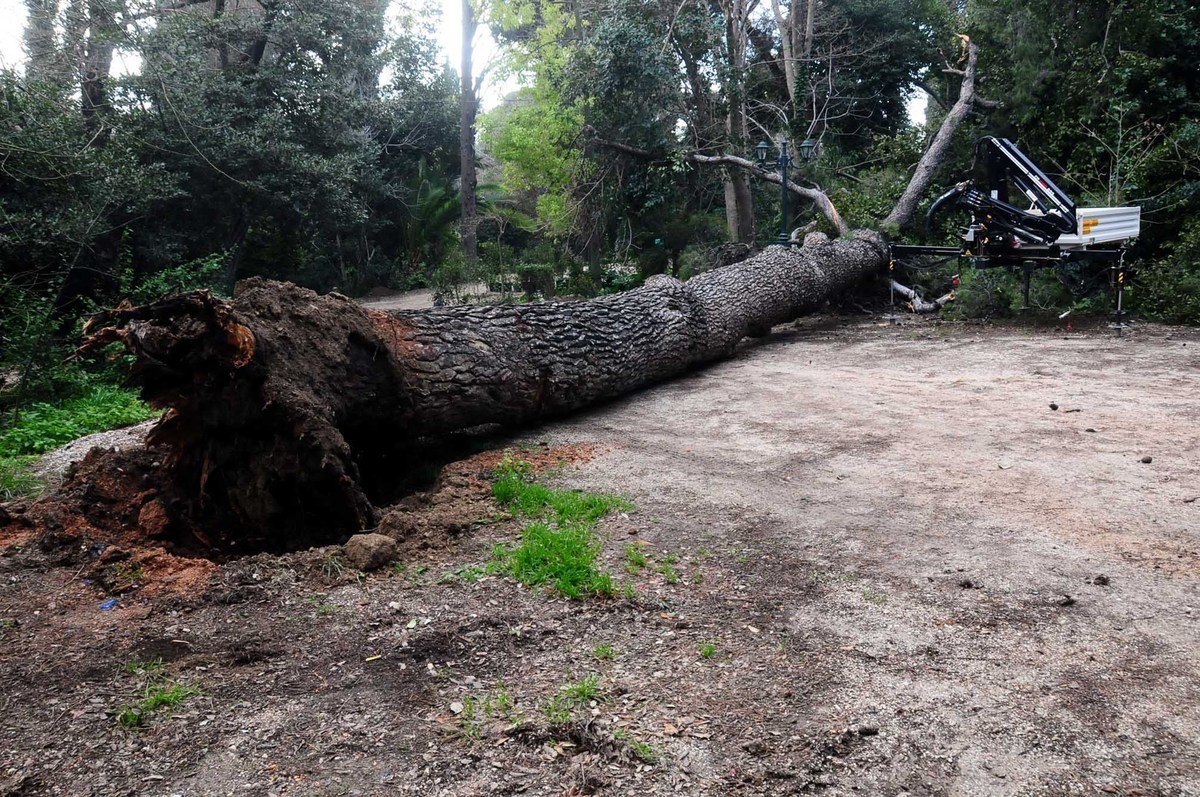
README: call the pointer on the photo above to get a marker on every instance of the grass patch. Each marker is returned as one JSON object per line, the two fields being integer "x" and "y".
{"x": 42, "y": 427}
{"x": 560, "y": 548}
{"x": 604, "y": 652}
{"x": 564, "y": 558}
{"x": 570, "y": 696}
{"x": 17, "y": 479}
{"x": 708, "y": 650}
{"x": 639, "y": 748}
{"x": 514, "y": 491}
{"x": 159, "y": 693}
{"x": 635, "y": 557}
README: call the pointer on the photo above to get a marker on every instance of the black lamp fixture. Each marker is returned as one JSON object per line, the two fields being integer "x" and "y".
{"x": 763, "y": 150}
{"x": 808, "y": 148}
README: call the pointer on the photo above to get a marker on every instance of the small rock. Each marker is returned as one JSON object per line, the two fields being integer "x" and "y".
{"x": 1066, "y": 600}
{"x": 967, "y": 583}
{"x": 867, "y": 730}
{"x": 1089, "y": 429}
{"x": 370, "y": 551}
{"x": 1147, "y": 460}
{"x": 1053, "y": 406}
{"x": 1102, "y": 580}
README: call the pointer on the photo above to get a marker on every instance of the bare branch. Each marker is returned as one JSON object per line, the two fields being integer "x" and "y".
{"x": 814, "y": 195}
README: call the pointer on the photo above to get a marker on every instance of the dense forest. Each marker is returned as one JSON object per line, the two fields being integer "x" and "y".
{"x": 318, "y": 141}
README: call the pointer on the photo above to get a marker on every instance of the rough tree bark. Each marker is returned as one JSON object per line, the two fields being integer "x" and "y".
{"x": 291, "y": 414}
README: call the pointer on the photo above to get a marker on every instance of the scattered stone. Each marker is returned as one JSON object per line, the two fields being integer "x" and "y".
{"x": 1147, "y": 460}
{"x": 1066, "y": 600}
{"x": 967, "y": 583}
{"x": 1076, "y": 409}
{"x": 756, "y": 747}
{"x": 867, "y": 730}
{"x": 1089, "y": 429}
{"x": 370, "y": 551}
{"x": 1102, "y": 580}
{"x": 1053, "y": 406}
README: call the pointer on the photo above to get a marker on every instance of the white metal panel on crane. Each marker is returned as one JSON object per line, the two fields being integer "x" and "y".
{"x": 1103, "y": 225}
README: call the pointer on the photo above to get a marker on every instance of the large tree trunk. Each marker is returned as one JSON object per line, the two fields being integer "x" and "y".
{"x": 292, "y": 414}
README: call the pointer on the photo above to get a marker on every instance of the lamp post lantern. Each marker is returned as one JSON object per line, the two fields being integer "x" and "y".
{"x": 763, "y": 149}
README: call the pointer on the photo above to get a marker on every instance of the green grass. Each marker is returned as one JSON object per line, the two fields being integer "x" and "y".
{"x": 559, "y": 549}
{"x": 16, "y": 478}
{"x": 564, "y": 558}
{"x": 640, "y": 749}
{"x": 157, "y": 696}
{"x": 708, "y": 650}
{"x": 604, "y": 652}
{"x": 158, "y": 693}
{"x": 513, "y": 490}
{"x": 635, "y": 557}
{"x": 570, "y": 696}
{"x": 42, "y": 427}
{"x": 583, "y": 690}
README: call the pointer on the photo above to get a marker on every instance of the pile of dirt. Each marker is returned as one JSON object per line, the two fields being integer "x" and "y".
{"x": 107, "y": 519}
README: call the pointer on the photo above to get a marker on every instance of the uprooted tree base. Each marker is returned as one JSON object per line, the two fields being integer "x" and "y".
{"x": 292, "y": 416}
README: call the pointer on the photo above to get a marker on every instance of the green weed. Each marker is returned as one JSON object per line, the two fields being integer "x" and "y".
{"x": 635, "y": 557}
{"x": 708, "y": 650}
{"x": 512, "y": 489}
{"x": 564, "y": 557}
{"x": 639, "y": 748}
{"x": 669, "y": 572}
{"x": 16, "y": 478}
{"x": 604, "y": 652}
{"x": 42, "y": 427}
{"x": 570, "y": 696}
{"x": 323, "y": 607}
{"x": 559, "y": 550}
{"x": 158, "y": 693}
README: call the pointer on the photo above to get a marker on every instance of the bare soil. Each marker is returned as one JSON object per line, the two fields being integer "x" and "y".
{"x": 879, "y": 563}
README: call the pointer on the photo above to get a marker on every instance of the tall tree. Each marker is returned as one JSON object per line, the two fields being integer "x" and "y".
{"x": 466, "y": 148}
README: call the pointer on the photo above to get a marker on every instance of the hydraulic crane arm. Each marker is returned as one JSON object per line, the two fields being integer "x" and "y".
{"x": 1008, "y": 171}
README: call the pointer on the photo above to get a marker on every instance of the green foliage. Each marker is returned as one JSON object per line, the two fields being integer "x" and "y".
{"x": 512, "y": 489}
{"x": 42, "y": 427}
{"x": 561, "y": 552}
{"x": 570, "y": 696}
{"x": 157, "y": 693}
{"x": 563, "y": 557}
{"x": 1168, "y": 288}
{"x": 708, "y": 650}
{"x": 604, "y": 651}
{"x": 17, "y": 479}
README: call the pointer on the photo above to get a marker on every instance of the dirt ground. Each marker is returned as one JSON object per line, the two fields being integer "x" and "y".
{"x": 879, "y": 563}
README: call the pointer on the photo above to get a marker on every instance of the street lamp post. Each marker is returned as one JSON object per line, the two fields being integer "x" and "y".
{"x": 806, "y": 152}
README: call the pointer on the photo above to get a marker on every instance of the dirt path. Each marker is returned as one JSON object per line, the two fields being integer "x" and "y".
{"x": 909, "y": 574}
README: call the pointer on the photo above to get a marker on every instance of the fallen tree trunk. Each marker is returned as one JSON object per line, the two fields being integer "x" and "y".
{"x": 291, "y": 412}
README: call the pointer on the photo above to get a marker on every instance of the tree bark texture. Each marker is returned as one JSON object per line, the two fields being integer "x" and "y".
{"x": 906, "y": 207}
{"x": 292, "y": 414}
